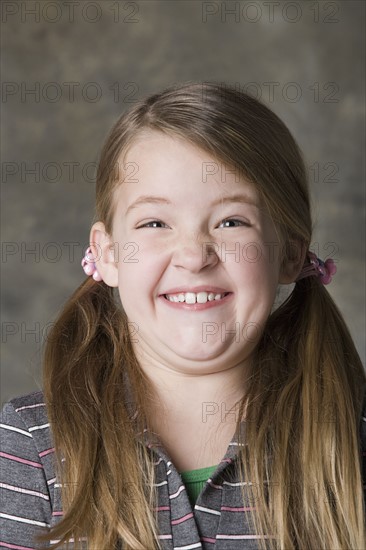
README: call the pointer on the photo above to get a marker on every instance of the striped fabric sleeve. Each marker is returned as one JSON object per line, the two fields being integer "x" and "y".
{"x": 25, "y": 506}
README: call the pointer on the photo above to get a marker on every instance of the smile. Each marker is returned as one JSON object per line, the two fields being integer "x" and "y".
{"x": 192, "y": 297}
{"x": 191, "y": 301}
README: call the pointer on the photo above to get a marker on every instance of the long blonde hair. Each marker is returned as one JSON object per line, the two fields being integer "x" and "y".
{"x": 304, "y": 395}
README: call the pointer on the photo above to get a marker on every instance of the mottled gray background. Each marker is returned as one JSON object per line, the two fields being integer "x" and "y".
{"x": 313, "y": 49}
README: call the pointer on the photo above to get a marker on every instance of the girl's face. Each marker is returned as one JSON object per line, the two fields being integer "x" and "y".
{"x": 189, "y": 228}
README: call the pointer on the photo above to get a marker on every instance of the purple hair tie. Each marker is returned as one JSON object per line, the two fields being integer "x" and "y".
{"x": 88, "y": 265}
{"x": 324, "y": 270}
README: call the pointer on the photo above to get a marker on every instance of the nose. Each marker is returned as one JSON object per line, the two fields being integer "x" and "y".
{"x": 195, "y": 254}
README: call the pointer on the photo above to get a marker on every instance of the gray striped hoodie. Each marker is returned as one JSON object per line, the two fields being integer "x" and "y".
{"x": 30, "y": 493}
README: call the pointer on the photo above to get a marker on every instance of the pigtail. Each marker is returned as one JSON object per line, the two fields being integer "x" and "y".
{"x": 105, "y": 491}
{"x": 311, "y": 386}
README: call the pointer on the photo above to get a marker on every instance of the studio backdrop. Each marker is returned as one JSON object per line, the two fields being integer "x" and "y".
{"x": 69, "y": 69}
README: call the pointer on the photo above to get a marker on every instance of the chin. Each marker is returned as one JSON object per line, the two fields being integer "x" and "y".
{"x": 199, "y": 351}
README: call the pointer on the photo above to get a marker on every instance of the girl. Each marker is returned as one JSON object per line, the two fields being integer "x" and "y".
{"x": 181, "y": 409}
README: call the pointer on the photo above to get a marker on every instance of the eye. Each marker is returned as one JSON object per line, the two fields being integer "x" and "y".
{"x": 149, "y": 224}
{"x": 236, "y": 221}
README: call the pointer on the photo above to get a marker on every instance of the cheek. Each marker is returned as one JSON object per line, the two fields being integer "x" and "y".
{"x": 258, "y": 257}
{"x": 137, "y": 283}
{"x": 146, "y": 253}
{"x": 257, "y": 276}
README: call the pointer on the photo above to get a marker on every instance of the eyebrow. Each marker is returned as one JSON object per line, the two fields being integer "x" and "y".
{"x": 152, "y": 199}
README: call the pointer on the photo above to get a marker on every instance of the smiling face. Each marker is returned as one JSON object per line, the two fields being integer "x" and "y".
{"x": 178, "y": 230}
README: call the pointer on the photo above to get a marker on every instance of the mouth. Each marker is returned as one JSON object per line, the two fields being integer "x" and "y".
{"x": 196, "y": 301}
{"x": 192, "y": 298}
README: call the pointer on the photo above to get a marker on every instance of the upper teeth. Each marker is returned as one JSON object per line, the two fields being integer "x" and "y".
{"x": 192, "y": 297}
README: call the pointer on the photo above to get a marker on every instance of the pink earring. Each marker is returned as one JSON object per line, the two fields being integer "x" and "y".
{"x": 88, "y": 265}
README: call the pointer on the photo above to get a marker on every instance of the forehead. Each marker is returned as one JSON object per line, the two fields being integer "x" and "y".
{"x": 157, "y": 161}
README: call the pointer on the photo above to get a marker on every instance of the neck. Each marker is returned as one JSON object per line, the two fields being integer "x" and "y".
{"x": 201, "y": 401}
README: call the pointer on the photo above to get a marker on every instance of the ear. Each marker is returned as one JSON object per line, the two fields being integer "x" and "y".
{"x": 293, "y": 261}
{"x": 105, "y": 254}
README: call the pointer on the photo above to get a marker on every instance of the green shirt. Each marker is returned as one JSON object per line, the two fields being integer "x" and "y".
{"x": 194, "y": 481}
